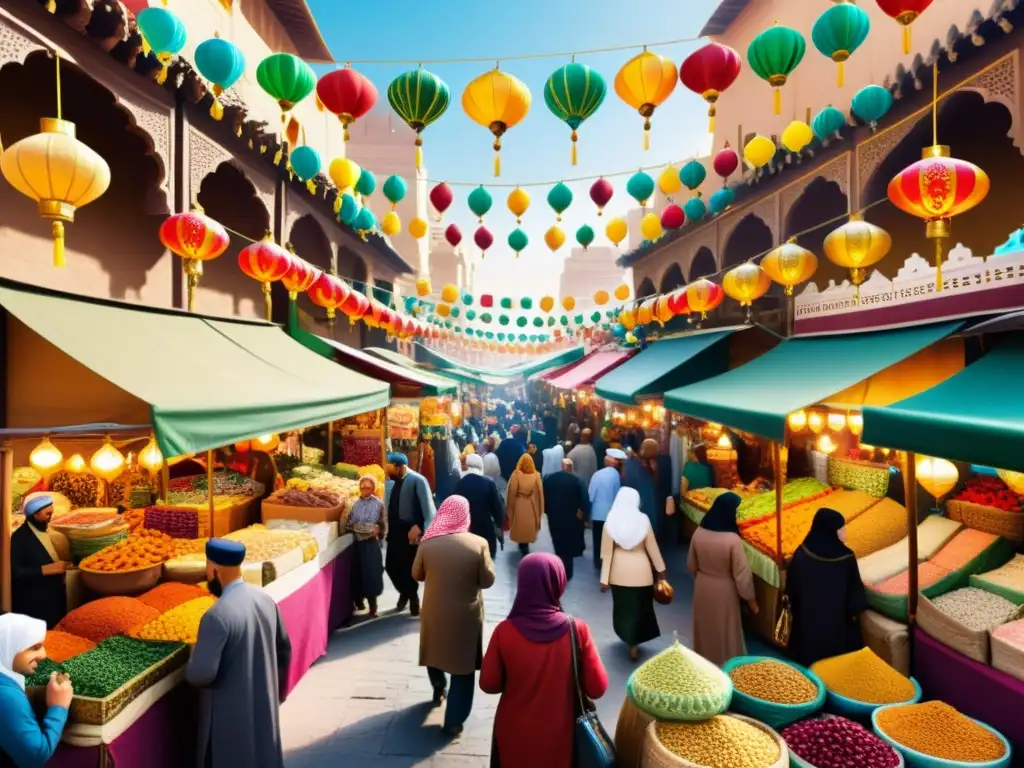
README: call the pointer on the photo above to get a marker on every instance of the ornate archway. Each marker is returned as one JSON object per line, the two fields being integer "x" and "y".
{"x": 351, "y": 268}
{"x": 750, "y": 237}
{"x": 646, "y": 288}
{"x": 311, "y": 243}
{"x": 703, "y": 264}
{"x": 672, "y": 279}
{"x": 821, "y": 201}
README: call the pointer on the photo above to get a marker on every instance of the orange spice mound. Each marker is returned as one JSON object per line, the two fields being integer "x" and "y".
{"x": 106, "y": 617}
{"x": 169, "y": 595}
{"x": 61, "y": 646}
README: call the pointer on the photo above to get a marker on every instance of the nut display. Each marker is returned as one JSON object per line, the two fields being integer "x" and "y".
{"x": 180, "y": 624}
{"x": 936, "y": 729}
{"x": 864, "y": 677}
{"x": 82, "y": 490}
{"x": 774, "y": 681}
{"x": 721, "y": 742}
{"x": 976, "y": 609}
{"x": 835, "y": 742}
{"x": 298, "y": 497}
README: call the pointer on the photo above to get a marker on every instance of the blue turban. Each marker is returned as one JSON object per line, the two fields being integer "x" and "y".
{"x": 37, "y": 504}
{"x": 225, "y": 552}
{"x": 398, "y": 459}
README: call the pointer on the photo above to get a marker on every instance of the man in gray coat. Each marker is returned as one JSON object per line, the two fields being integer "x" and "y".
{"x": 239, "y": 664}
{"x": 410, "y": 508}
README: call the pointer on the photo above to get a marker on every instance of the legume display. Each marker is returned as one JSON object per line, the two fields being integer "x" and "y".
{"x": 976, "y": 609}
{"x": 774, "y": 681}
{"x": 677, "y": 684}
{"x": 721, "y": 742}
{"x": 862, "y": 676}
{"x": 835, "y": 742}
{"x": 107, "y": 667}
{"x": 937, "y": 729}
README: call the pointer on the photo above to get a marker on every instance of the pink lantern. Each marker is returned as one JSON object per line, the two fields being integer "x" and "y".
{"x": 601, "y": 192}
{"x": 672, "y": 217}
{"x": 453, "y": 235}
{"x": 441, "y": 198}
{"x": 726, "y": 161}
{"x": 483, "y": 239}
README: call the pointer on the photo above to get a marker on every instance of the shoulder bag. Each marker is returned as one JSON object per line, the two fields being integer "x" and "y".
{"x": 592, "y": 746}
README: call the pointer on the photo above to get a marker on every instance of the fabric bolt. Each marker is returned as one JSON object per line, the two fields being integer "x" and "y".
{"x": 722, "y": 578}
{"x": 604, "y": 486}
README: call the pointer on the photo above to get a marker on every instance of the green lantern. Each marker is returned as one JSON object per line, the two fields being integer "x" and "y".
{"x": 774, "y": 54}
{"x": 560, "y": 198}
{"x": 573, "y": 93}
{"x": 692, "y": 175}
{"x": 521, "y": 322}
{"x": 551, "y": 320}
{"x": 564, "y": 319}
{"x": 578, "y": 320}
{"x": 471, "y": 314}
{"x": 486, "y": 317}
{"x": 517, "y": 241}
{"x": 395, "y": 189}
{"x": 502, "y": 319}
{"x": 585, "y": 236}
{"x": 526, "y": 303}
{"x": 839, "y": 32}
{"x": 419, "y": 97}
{"x": 538, "y": 322}
{"x": 640, "y": 187}
{"x": 595, "y": 317}
{"x": 506, "y": 303}
{"x": 501, "y": 336}
{"x": 480, "y": 202}
{"x": 455, "y": 311}
{"x": 827, "y": 124}
{"x": 523, "y": 337}
{"x": 367, "y": 183}
{"x": 286, "y": 78}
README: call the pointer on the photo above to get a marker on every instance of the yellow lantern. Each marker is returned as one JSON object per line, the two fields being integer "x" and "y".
{"x": 57, "y": 171}
{"x": 266, "y": 443}
{"x": 150, "y": 457}
{"x": 450, "y": 293}
{"x": 423, "y": 287}
{"x": 627, "y": 319}
{"x": 568, "y": 303}
{"x": 616, "y": 230}
{"x": 344, "y": 173}
{"x": 75, "y": 465}
{"x": 937, "y": 476}
{"x": 645, "y": 312}
{"x": 547, "y": 303}
{"x": 825, "y": 445}
{"x": 391, "y": 225}
{"x": 837, "y": 422}
{"x": 816, "y": 422}
{"x": 855, "y": 421}
{"x": 724, "y": 443}
{"x": 669, "y": 183}
{"x": 746, "y": 283}
{"x": 759, "y": 151}
{"x": 418, "y": 228}
{"x": 622, "y": 292}
{"x": 45, "y": 458}
{"x": 518, "y": 202}
{"x": 497, "y": 101}
{"x": 601, "y": 298}
{"x": 1015, "y": 480}
{"x": 650, "y": 226}
{"x": 663, "y": 311}
{"x": 797, "y": 136}
{"x": 443, "y": 310}
{"x": 554, "y": 237}
{"x": 107, "y": 462}
{"x": 644, "y": 82}
{"x": 797, "y": 421}
{"x": 789, "y": 265}
{"x": 856, "y": 246}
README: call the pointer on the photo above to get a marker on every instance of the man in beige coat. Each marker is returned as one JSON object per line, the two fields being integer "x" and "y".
{"x": 455, "y": 566}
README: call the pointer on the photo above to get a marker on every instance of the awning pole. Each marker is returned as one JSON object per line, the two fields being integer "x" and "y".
{"x": 209, "y": 488}
{"x": 6, "y": 596}
{"x": 165, "y": 481}
{"x": 330, "y": 443}
{"x": 910, "y": 497}
{"x": 383, "y": 438}
{"x": 780, "y": 559}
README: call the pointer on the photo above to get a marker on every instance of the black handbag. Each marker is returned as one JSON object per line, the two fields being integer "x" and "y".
{"x": 592, "y": 746}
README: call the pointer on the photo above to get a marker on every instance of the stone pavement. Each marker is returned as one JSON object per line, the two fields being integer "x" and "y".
{"x": 367, "y": 702}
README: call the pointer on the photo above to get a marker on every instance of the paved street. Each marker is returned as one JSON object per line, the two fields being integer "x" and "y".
{"x": 367, "y": 703}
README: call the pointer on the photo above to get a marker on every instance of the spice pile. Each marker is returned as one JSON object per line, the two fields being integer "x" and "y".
{"x": 61, "y": 646}
{"x": 677, "y": 684}
{"x": 877, "y": 528}
{"x": 143, "y": 549}
{"x": 171, "y": 594}
{"x": 798, "y": 491}
{"x": 938, "y": 730}
{"x": 106, "y": 617}
{"x": 835, "y": 742}
{"x": 297, "y": 496}
{"x": 228, "y": 486}
{"x": 796, "y": 522}
{"x": 864, "y": 677}
{"x": 178, "y": 625}
{"x": 775, "y": 682}
{"x": 721, "y": 742}
{"x": 976, "y": 609}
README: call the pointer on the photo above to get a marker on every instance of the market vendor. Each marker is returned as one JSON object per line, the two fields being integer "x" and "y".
{"x": 37, "y": 572}
{"x": 410, "y": 510}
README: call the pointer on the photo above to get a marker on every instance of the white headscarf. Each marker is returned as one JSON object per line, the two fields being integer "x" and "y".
{"x": 491, "y": 466}
{"x": 626, "y": 524}
{"x": 18, "y": 632}
{"x": 553, "y": 460}
{"x": 475, "y": 464}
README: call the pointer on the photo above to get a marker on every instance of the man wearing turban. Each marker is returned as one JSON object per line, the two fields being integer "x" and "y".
{"x": 37, "y": 572}
{"x": 410, "y": 508}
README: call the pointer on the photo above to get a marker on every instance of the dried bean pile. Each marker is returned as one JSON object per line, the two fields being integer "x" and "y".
{"x": 976, "y": 609}
{"x": 835, "y": 742}
{"x": 936, "y": 729}
{"x": 862, "y": 676}
{"x": 721, "y": 742}
{"x": 774, "y": 681}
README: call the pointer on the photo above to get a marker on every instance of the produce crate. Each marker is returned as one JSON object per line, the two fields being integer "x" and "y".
{"x": 272, "y": 511}
{"x": 1009, "y": 525}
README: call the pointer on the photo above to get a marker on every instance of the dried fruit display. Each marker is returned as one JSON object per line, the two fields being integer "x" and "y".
{"x": 176, "y": 522}
{"x": 297, "y": 497}
{"x": 142, "y": 549}
{"x": 82, "y": 490}
{"x": 835, "y": 742}
{"x": 991, "y": 492}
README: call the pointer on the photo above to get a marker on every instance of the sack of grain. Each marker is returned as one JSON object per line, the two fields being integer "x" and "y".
{"x": 962, "y": 619}
{"x": 630, "y": 731}
{"x": 1008, "y": 649}
{"x": 725, "y": 741}
{"x": 889, "y": 639}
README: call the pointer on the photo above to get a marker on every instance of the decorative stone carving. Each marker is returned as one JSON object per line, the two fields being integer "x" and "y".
{"x": 157, "y": 127}
{"x": 15, "y": 47}
{"x": 999, "y": 83}
{"x": 872, "y": 152}
{"x": 204, "y": 157}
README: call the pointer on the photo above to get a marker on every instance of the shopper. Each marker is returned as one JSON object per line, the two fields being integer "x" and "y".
{"x": 492, "y": 469}
{"x": 410, "y": 509}
{"x": 486, "y": 507}
{"x": 525, "y": 504}
{"x": 529, "y": 664}
{"x": 604, "y": 487}
{"x": 649, "y": 473}
{"x": 584, "y": 457}
{"x": 368, "y": 521}
{"x": 698, "y": 472}
{"x": 566, "y": 504}
{"x": 455, "y": 565}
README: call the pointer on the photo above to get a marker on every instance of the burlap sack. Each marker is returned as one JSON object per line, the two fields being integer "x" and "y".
{"x": 630, "y": 731}
{"x": 890, "y": 640}
{"x": 951, "y": 633}
{"x": 656, "y": 756}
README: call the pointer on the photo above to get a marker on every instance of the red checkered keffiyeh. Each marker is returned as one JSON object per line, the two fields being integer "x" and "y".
{"x": 452, "y": 517}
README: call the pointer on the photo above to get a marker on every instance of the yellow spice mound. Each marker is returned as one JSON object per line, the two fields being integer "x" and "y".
{"x": 721, "y": 742}
{"x": 938, "y": 730}
{"x": 178, "y": 625}
{"x": 773, "y": 681}
{"x": 862, "y": 676}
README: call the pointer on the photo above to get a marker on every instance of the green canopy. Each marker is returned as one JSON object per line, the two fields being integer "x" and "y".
{"x": 455, "y": 374}
{"x": 975, "y": 416}
{"x": 553, "y": 360}
{"x": 207, "y": 382}
{"x": 800, "y": 372}
{"x": 667, "y": 364}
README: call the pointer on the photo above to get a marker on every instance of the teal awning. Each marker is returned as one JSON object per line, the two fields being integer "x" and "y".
{"x": 757, "y": 397}
{"x": 976, "y": 416}
{"x": 552, "y": 360}
{"x": 667, "y": 364}
{"x": 455, "y": 374}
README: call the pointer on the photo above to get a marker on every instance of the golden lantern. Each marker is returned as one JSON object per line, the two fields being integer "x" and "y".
{"x": 816, "y": 422}
{"x": 547, "y": 303}
{"x": 497, "y": 101}
{"x": 57, "y": 171}
{"x": 644, "y": 82}
{"x": 825, "y": 445}
{"x": 45, "y": 458}
{"x": 107, "y": 462}
{"x": 518, "y": 202}
{"x": 745, "y": 284}
{"x": 855, "y": 421}
{"x": 789, "y": 265}
{"x": 645, "y": 312}
{"x": 266, "y": 443}
{"x": 450, "y": 293}
{"x": 622, "y": 292}
{"x": 601, "y": 298}
{"x": 937, "y": 476}
{"x": 569, "y": 303}
{"x": 724, "y": 443}
{"x": 423, "y": 287}
{"x": 418, "y": 228}
{"x": 856, "y": 246}
{"x": 75, "y": 465}
{"x": 1015, "y": 480}
{"x": 650, "y": 226}
{"x": 150, "y": 457}
{"x": 663, "y": 311}
{"x": 836, "y": 421}
{"x": 627, "y": 319}
{"x": 344, "y": 173}
{"x": 797, "y": 421}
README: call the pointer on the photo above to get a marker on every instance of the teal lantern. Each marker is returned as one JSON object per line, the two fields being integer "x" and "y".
{"x": 694, "y": 209}
{"x": 489, "y": 335}
{"x": 538, "y": 322}
{"x": 774, "y": 54}
{"x": 457, "y": 329}
{"x": 526, "y": 303}
{"x": 501, "y": 336}
{"x": 502, "y": 319}
{"x": 364, "y": 221}
{"x": 506, "y": 303}
{"x": 521, "y": 322}
{"x": 578, "y": 320}
{"x": 721, "y": 200}
{"x": 455, "y": 311}
{"x": 486, "y": 318}
{"x": 839, "y": 32}
{"x": 523, "y": 337}
{"x": 222, "y": 63}
{"x": 395, "y": 190}
{"x": 573, "y": 93}
{"x": 640, "y": 187}
{"x": 551, "y": 320}
{"x": 480, "y": 202}
{"x": 564, "y": 320}
{"x": 305, "y": 163}
{"x": 517, "y": 241}
{"x": 828, "y": 123}
{"x": 467, "y": 299}
{"x": 585, "y": 236}
{"x": 560, "y": 198}
{"x": 471, "y": 314}
{"x": 164, "y": 34}
{"x": 595, "y": 317}
{"x": 349, "y": 209}
{"x": 871, "y": 103}
{"x": 367, "y": 183}
{"x": 692, "y": 175}
{"x": 448, "y": 324}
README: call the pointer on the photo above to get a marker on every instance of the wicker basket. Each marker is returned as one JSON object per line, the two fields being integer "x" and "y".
{"x": 81, "y": 548}
{"x": 630, "y": 731}
{"x": 122, "y": 582}
{"x": 656, "y": 756}
{"x": 1009, "y": 525}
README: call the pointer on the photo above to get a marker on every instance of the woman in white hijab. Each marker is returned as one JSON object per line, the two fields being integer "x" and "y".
{"x": 25, "y": 741}
{"x": 474, "y": 465}
{"x": 630, "y": 558}
{"x": 492, "y": 469}
{"x": 552, "y": 460}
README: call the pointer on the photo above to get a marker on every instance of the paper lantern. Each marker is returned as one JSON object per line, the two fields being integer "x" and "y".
{"x": 650, "y": 226}
{"x": 266, "y": 262}
{"x": 391, "y": 224}
{"x": 669, "y": 183}
{"x": 329, "y": 292}
{"x": 935, "y": 189}
{"x": 836, "y": 421}
{"x": 288, "y": 80}
{"x": 453, "y": 235}
{"x": 704, "y": 296}
{"x": 678, "y": 303}
{"x": 645, "y": 312}
{"x": 441, "y": 198}
{"x": 395, "y": 190}
{"x": 108, "y": 462}
{"x": 480, "y": 202}
{"x": 692, "y": 175}
{"x": 789, "y": 265}
{"x": 547, "y": 303}
{"x": 905, "y": 12}
{"x": 601, "y": 192}
{"x": 76, "y": 464}
{"x": 450, "y": 293}
{"x": 497, "y": 101}
{"x": 164, "y": 34}
{"x": 815, "y": 422}
{"x": 572, "y": 94}
{"x": 45, "y": 459}
{"x": 355, "y": 307}
{"x": 223, "y": 64}
{"x": 193, "y": 236}
{"x": 725, "y": 161}
{"x": 423, "y": 287}
{"x": 554, "y": 238}
{"x": 300, "y": 276}
{"x": 568, "y": 303}
{"x": 367, "y": 183}
{"x": 150, "y": 457}
{"x": 348, "y": 94}
{"x": 937, "y": 476}
{"x": 708, "y": 72}
{"x": 559, "y": 198}
{"x": 855, "y": 421}
{"x": 627, "y": 319}
{"x": 856, "y": 246}
{"x": 828, "y": 123}
{"x": 663, "y": 311}
{"x": 759, "y": 151}
{"x": 348, "y": 208}
{"x": 840, "y": 31}
{"x": 419, "y": 97}
{"x": 826, "y": 445}
{"x": 644, "y": 82}
{"x": 773, "y": 55}
{"x": 305, "y": 163}
{"x": 797, "y": 421}
{"x": 344, "y": 173}
{"x": 518, "y": 203}
{"x": 418, "y": 228}
{"x": 364, "y": 222}
{"x": 57, "y": 171}
{"x": 517, "y": 241}
{"x": 617, "y": 230}
{"x": 601, "y": 298}
{"x": 622, "y": 292}
{"x": 640, "y": 187}
{"x": 585, "y": 236}
{"x": 746, "y": 283}
{"x": 721, "y": 200}
{"x": 797, "y": 136}
{"x": 266, "y": 443}
{"x": 694, "y": 209}
{"x": 871, "y": 103}
{"x": 483, "y": 239}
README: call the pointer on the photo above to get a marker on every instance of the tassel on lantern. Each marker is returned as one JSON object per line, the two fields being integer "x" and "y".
{"x": 647, "y": 135}
{"x": 419, "y": 153}
{"x": 268, "y": 306}
{"x": 311, "y": 186}
{"x": 839, "y": 75}
{"x": 711, "y": 119}
{"x": 938, "y": 265}
{"x": 57, "y": 228}
{"x": 217, "y": 109}
{"x": 337, "y": 205}
{"x": 906, "y": 39}
{"x": 51, "y": 6}
{"x": 778, "y": 101}
{"x": 161, "y": 77}
{"x": 575, "y": 137}
{"x": 497, "y": 158}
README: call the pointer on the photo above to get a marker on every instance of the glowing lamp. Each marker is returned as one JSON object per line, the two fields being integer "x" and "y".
{"x": 150, "y": 457}
{"x": 816, "y": 422}
{"x": 855, "y": 421}
{"x": 797, "y": 421}
{"x": 857, "y": 245}
{"x": 825, "y": 445}
{"x": 107, "y": 462}
{"x": 937, "y": 476}
{"x": 266, "y": 442}
{"x": 45, "y": 458}
{"x": 75, "y": 465}
{"x": 725, "y": 443}
{"x": 837, "y": 422}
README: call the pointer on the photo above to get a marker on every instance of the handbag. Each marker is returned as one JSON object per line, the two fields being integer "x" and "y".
{"x": 592, "y": 746}
{"x": 663, "y": 592}
{"x": 784, "y": 625}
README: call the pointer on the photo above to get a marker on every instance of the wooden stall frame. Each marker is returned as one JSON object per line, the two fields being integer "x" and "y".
{"x": 6, "y": 593}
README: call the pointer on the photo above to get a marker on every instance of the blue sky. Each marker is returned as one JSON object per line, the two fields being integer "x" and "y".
{"x": 539, "y": 148}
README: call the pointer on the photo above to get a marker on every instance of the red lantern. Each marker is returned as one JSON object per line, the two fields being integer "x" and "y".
{"x": 355, "y": 306}
{"x": 347, "y": 94}
{"x": 441, "y": 198}
{"x": 299, "y": 277}
{"x": 483, "y": 239}
{"x": 936, "y": 188}
{"x": 709, "y": 71}
{"x": 267, "y": 262}
{"x": 905, "y": 12}
{"x": 329, "y": 291}
{"x": 374, "y": 317}
{"x": 487, "y": 301}
{"x": 677, "y": 302}
{"x": 703, "y": 296}
{"x": 453, "y": 235}
{"x": 726, "y": 161}
{"x": 601, "y": 192}
{"x": 672, "y": 217}
{"x": 196, "y": 238}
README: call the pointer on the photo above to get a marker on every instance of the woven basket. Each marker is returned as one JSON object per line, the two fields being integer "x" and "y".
{"x": 656, "y": 756}
{"x": 630, "y": 731}
{"x": 1006, "y": 657}
{"x": 81, "y": 548}
{"x": 1009, "y": 525}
